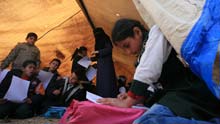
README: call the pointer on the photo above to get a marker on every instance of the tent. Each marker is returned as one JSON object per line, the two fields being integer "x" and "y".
{"x": 192, "y": 28}
{"x": 65, "y": 25}
{"x": 61, "y": 26}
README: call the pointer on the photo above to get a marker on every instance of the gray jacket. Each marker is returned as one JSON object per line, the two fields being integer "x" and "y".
{"x": 20, "y": 53}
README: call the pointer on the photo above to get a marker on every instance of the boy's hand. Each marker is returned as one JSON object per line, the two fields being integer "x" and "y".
{"x": 122, "y": 96}
{"x": 95, "y": 52}
{"x": 56, "y": 92}
{"x": 124, "y": 102}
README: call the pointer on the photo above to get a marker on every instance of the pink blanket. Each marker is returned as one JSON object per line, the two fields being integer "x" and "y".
{"x": 90, "y": 113}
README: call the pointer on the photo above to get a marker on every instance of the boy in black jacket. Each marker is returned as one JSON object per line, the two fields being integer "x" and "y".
{"x": 34, "y": 96}
{"x": 64, "y": 91}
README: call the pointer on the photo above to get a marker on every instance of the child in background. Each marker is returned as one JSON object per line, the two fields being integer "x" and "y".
{"x": 53, "y": 66}
{"x": 35, "y": 93}
{"x": 64, "y": 91}
{"x": 51, "y": 99}
{"x": 77, "y": 55}
{"x": 22, "y": 52}
{"x": 72, "y": 90}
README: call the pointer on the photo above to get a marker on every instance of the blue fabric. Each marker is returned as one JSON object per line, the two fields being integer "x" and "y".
{"x": 200, "y": 47}
{"x": 159, "y": 114}
{"x": 54, "y": 112}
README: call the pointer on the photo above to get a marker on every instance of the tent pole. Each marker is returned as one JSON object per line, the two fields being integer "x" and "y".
{"x": 83, "y": 7}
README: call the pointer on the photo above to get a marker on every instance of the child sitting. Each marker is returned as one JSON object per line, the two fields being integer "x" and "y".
{"x": 72, "y": 90}
{"x": 53, "y": 66}
{"x": 64, "y": 91}
{"x": 35, "y": 93}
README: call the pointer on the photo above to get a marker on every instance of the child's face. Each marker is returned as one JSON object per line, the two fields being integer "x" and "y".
{"x": 84, "y": 53}
{"x": 54, "y": 65}
{"x": 29, "y": 70}
{"x": 131, "y": 45}
{"x": 73, "y": 78}
{"x": 31, "y": 40}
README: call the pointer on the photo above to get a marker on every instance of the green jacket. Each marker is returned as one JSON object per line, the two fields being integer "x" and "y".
{"x": 20, "y": 53}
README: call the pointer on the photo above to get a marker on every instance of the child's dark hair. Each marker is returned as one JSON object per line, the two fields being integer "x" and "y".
{"x": 78, "y": 50}
{"x": 57, "y": 60}
{"x": 124, "y": 28}
{"x": 28, "y": 62}
{"x": 32, "y": 34}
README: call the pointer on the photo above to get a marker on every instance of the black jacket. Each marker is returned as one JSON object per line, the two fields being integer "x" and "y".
{"x": 6, "y": 82}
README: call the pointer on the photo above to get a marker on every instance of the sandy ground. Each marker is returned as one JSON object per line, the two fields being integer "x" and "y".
{"x": 34, "y": 120}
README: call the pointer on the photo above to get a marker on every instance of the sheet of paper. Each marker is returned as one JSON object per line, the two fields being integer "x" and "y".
{"x": 45, "y": 77}
{"x": 91, "y": 73}
{"x": 92, "y": 97}
{"x": 18, "y": 90}
{"x": 85, "y": 62}
{"x": 3, "y": 73}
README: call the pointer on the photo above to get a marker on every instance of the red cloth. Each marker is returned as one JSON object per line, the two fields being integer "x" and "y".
{"x": 90, "y": 113}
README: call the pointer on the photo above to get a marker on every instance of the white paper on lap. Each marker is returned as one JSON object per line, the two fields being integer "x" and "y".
{"x": 18, "y": 90}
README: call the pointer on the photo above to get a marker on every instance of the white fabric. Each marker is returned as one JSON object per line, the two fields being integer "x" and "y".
{"x": 174, "y": 17}
{"x": 157, "y": 50}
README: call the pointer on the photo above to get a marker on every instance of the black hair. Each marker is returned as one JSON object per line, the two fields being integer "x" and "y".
{"x": 81, "y": 49}
{"x": 123, "y": 28}
{"x": 32, "y": 34}
{"x": 28, "y": 62}
{"x": 78, "y": 50}
{"x": 57, "y": 60}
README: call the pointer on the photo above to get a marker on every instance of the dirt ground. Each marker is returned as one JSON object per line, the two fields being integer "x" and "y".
{"x": 34, "y": 120}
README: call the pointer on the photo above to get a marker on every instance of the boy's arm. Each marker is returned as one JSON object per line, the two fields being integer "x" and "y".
{"x": 38, "y": 59}
{"x": 11, "y": 56}
{"x": 106, "y": 51}
{"x": 5, "y": 84}
{"x": 58, "y": 85}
